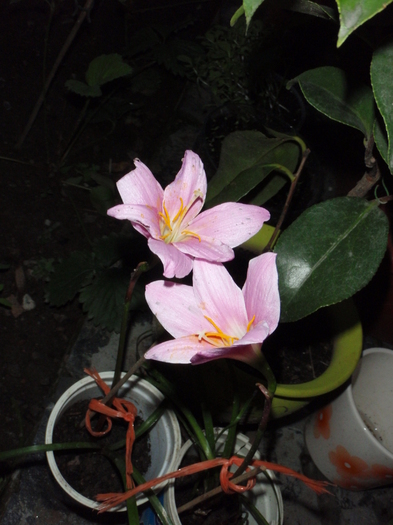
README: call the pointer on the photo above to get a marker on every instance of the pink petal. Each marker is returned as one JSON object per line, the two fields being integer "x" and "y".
{"x": 219, "y": 297}
{"x": 260, "y": 290}
{"x": 256, "y": 335}
{"x": 176, "y": 263}
{"x": 138, "y": 214}
{"x": 175, "y": 307}
{"x": 190, "y": 179}
{"x": 208, "y": 249}
{"x": 246, "y": 353}
{"x": 140, "y": 187}
{"x": 231, "y": 223}
{"x": 180, "y": 350}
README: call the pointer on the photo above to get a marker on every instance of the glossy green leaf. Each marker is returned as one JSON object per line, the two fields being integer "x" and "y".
{"x": 329, "y": 253}
{"x": 106, "y": 68}
{"x": 69, "y": 277}
{"x": 382, "y": 81}
{"x": 80, "y": 88}
{"x": 308, "y": 8}
{"x": 332, "y": 93}
{"x": 247, "y": 159}
{"x": 381, "y": 139}
{"x": 353, "y": 13}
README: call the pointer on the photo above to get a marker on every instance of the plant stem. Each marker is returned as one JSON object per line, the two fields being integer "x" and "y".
{"x": 82, "y": 15}
{"x": 238, "y": 479}
{"x": 287, "y": 203}
{"x": 142, "y": 267}
{"x": 269, "y": 394}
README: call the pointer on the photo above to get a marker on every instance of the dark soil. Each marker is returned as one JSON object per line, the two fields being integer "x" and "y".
{"x": 92, "y": 473}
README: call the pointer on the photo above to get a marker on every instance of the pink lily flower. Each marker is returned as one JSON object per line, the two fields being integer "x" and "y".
{"x": 170, "y": 219}
{"x": 214, "y": 318}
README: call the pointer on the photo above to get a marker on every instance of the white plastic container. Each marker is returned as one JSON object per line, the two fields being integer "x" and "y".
{"x": 266, "y": 496}
{"x": 165, "y": 438}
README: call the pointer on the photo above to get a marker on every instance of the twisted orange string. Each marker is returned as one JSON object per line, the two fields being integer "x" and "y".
{"x": 113, "y": 499}
{"x": 125, "y": 410}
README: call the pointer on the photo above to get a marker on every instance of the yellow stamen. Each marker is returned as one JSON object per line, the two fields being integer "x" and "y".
{"x": 180, "y": 210}
{"x": 250, "y": 323}
{"x": 193, "y": 234}
{"x": 228, "y": 340}
{"x": 170, "y": 228}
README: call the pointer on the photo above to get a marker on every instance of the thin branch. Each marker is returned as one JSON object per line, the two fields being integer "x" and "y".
{"x": 82, "y": 15}
{"x": 239, "y": 479}
{"x": 287, "y": 203}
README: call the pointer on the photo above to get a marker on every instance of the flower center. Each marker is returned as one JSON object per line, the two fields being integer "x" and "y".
{"x": 220, "y": 338}
{"x": 173, "y": 229}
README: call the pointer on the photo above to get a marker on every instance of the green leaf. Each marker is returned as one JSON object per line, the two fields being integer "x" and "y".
{"x": 103, "y": 299}
{"x": 250, "y": 6}
{"x": 102, "y": 198}
{"x": 330, "y": 91}
{"x": 308, "y": 8}
{"x": 381, "y": 139}
{"x": 105, "y": 68}
{"x": 247, "y": 158}
{"x": 80, "y": 88}
{"x": 353, "y": 13}
{"x": 69, "y": 277}
{"x": 114, "y": 247}
{"x": 329, "y": 253}
{"x": 382, "y": 81}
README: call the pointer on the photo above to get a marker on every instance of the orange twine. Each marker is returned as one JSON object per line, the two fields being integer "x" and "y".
{"x": 125, "y": 410}
{"x": 111, "y": 500}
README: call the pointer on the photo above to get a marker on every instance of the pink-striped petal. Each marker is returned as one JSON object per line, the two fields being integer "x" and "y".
{"x": 220, "y": 298}
{"x": 179, "y": 351}
{"x": 140, "y": 187}
{"x": 209, "y": 249}
{"x": 188, "y": 184}
{"x": 246, "y": 353}
{"x": 260, "y": 290}
{"x": 175, "y": 307}
{"x": 176, "y": 263}
{"x": 138, "y": 214}
{"x": 231, "y": 223}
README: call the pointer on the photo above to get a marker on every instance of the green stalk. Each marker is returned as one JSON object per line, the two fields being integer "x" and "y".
{"x": 269, "y": 394}
{"x": 159, "y": 381}
{"x": 33, "y": 449}
{"x": 142, "y": 267}
{"x": 154, "y": 501}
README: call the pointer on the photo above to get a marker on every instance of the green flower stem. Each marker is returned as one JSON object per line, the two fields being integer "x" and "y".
{"x": 269, "y": 394}
{"x": 159, "y": 381}
{"x": 142, "y": 267}
{"x": 154, "y": 501}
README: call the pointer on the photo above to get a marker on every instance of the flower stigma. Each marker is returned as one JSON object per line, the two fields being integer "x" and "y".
{"x": 172, "y": 229}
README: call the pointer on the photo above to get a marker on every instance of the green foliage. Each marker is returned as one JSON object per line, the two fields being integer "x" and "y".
{"x": 332, "y": 93}
{"x": 382, "y": 81}
{"x": 101, "y": 70}
{"x": 225, "y": 64}
{"x": 353, "y": 13}
{"x": 102, "y": 189}
{"x": 248, "y": 158}
{"x": 329, "y": 253}
{"x": 100, "y": 277}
